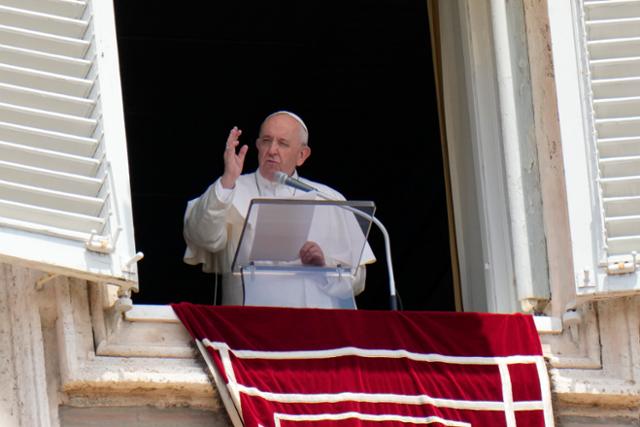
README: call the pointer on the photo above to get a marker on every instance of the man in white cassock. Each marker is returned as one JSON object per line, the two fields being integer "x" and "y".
{"x": 213, "y": 222}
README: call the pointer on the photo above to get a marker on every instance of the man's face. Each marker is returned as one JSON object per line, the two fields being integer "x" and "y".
{"x": 280, "y": 146}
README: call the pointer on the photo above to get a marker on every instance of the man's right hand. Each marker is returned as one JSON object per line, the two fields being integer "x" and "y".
{"x": 233, "y": 162}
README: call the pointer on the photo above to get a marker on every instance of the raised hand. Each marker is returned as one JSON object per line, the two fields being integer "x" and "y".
{"x": 311, "y": 254}
{"x": 233, "y": 162}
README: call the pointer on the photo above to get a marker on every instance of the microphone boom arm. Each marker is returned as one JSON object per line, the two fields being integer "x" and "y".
{"x": 387, "y": 245}
{"x": 285, "y": 179}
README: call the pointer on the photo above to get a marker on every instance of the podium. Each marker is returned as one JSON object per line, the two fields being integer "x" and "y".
{"x": 267, "y": 257}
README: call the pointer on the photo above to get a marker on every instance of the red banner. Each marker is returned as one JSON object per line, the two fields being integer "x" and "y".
{"x": 291, "y": 367}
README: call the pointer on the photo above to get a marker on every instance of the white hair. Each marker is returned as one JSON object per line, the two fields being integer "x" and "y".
{"x": 305, "y": 139}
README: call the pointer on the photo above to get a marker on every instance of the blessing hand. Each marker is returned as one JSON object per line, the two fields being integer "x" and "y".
{"x": 233, "y": 162}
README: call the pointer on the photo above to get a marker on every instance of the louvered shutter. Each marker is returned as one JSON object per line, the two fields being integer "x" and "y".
{"x": 596, "y": 55}
{"x": 613, "y": 45}
{"x": 64, "y": 187}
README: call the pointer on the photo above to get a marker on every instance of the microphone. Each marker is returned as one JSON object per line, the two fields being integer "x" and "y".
{"x": 285, "y": 179}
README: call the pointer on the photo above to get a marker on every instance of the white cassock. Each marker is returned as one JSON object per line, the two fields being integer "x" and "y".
{"x": 212, "y": 229}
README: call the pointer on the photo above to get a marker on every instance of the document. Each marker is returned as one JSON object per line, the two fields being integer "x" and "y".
{"x": 280, "y": 231}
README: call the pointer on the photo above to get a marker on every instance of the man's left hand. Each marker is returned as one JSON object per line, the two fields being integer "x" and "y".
{"x": 311, "y": 254}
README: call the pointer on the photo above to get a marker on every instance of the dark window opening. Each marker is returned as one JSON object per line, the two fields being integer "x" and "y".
{"x": 361, "y": 76}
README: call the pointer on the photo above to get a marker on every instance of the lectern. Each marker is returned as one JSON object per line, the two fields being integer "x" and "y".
{"x": 268, "y": 262}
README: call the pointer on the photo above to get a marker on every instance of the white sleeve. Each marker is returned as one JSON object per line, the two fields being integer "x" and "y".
{"x": 205, "y": 225}
{"x": 225, "y": 195}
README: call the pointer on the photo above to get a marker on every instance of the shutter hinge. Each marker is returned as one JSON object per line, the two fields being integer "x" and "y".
{"x": 621, "y": 264}
{"x": 103, "y": 244}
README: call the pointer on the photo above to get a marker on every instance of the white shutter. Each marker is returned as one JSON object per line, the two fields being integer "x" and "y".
{"x": 597, "y": 64}
{"x": 613, "y": 45}
{"x": 65, "y": 203}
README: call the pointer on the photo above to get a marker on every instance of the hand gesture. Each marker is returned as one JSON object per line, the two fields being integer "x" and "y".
{"x": 233, "y": 162}
{"x": 311, "y": 254}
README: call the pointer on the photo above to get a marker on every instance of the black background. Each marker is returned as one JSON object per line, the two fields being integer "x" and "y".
{"x": 359, "y": 73}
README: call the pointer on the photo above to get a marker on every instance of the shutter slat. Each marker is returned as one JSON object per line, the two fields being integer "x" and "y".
{"x": 613, "y": 29}
{"x": 35, "y": 60}
{"x": 41, "y": 80}
{"x": 48, "y": 230}
{"x": 66, "y": 8}
{"x": 619, "y": 167}
{"x": 49, "y": 179}
{"x": 58, "y": 200}
{"x": 48, "y": 43}
{"x": 620, "y": 206}
{"x": 619, "y": 147}
{"x": 55, "y": 218}
{"x": 618, "y": 127}
{"x": 615, "y": 68}
{"x": 623, "y": 245}
{"x": 48, "y": 140}
{"x": 621, "y": 226}
{"x": 42, "y": 22}
{"x": 615, "y": 48}
{"x": 617, "y": 107}
{"x": 620, "y": 187}
{"x": 615, "y": 88}
{"x": 41, "y": 100}
{"x": 611, "y": 9}
{"x": 43, "y": 119}
{"x": 46, "y": 159}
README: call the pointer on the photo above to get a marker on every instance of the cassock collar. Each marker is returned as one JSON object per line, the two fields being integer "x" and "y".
{"x": 271, "y": 188}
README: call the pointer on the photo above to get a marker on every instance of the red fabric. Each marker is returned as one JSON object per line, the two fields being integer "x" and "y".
{"x": 314, "y": 367}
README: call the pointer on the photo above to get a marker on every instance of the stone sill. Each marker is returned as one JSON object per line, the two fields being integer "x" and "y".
{"x": 164, "y": 314}
{"x": 151, "y": 313}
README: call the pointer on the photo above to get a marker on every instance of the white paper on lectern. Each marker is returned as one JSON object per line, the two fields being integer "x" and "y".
{"x": 276, "y": 232}
{"x": 280, "y": 231}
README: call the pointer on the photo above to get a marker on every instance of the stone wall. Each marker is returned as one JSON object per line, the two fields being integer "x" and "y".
{"x": 68, "y": 356}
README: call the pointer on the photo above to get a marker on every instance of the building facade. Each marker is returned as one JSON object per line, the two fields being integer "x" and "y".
{"x": 540, "y": 117}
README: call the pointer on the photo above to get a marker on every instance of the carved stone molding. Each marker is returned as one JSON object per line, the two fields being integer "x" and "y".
{"x": 107, "y": 359}
{"x": 612, "y": 328}
{"x": 578, "y": 346}
{"x": 23, "y": 395}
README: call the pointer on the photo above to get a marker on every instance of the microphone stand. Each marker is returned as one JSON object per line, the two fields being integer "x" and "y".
{"x": 285, "y": 179}
{"x": 387, "y": 245}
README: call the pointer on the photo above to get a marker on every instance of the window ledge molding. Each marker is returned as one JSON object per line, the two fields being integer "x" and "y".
{"x": 548, "y": 325}
{"x": 106, "y": 359}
